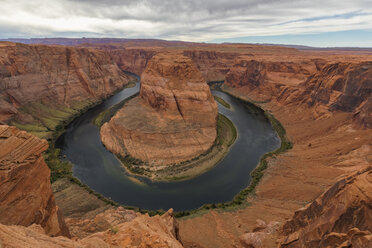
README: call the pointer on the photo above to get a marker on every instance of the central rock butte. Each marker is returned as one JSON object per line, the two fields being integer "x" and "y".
{"x": 173, "y": 119}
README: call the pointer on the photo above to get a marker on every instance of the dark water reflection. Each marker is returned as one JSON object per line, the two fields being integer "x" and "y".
{"x": 100, "y": 170}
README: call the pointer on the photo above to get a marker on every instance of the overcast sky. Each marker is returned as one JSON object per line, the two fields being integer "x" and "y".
{"x": 316, "y": 22}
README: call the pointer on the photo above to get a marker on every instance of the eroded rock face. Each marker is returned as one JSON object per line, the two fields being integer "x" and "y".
{"x": 133, "y": 60}
{"x": 255, "y": 239}
{"x": 141, "y": 232}
{"x": 25, "y": 191}
{"x": 38, "y": 82}
{"x": 173, "y": 120}
{"x": 324, "y": 86}
{"x": 342, "y": 215}
{"x": 270, "y": 78}
{"x": 255, "y": 72}
{"x": 344, "y": 87}
{"x": 83, "y": 227}
{"x": 213, "y": 65}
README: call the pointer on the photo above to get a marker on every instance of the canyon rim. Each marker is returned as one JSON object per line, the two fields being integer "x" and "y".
{"x": 232, "y": 124}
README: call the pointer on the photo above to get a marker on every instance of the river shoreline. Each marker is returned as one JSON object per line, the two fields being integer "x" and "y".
{"x": 226, "y": 136}
{"x": 198, "y": 210}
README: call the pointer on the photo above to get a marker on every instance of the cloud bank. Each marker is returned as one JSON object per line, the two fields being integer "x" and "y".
{"x": 191, "y": 20}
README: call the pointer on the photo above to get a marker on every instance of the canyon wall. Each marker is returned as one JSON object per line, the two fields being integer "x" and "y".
{"x": 174, "y": 118}
{"x": 132, "y": 60}
{"x": 29, "y": 216}
{"x": 25, "y": 192}
{"x": 328, "y": 144}
{"x": 323, "y": 86}
{"x": 341, "y": 217}
{"x": 213, "y": 65}
{"x": 42, "y": 85}
{"x": 315, "y": 97}
{"x": 344, "y": 87}
{"x": 268, "y": 77}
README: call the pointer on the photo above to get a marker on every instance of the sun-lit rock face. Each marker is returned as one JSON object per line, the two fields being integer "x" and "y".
{"x": 38, "y": 82}
{"x": 324, "y": 86}
{"x": 342, "y": 215}
{"x": 344, "y": 87}
{"x": 25, "y": 191}
{"x": 141, "y": 232}
{"x": 173, "y": 119}
{"x": 172, "y": 84}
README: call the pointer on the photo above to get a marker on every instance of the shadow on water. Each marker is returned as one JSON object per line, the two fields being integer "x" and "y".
{"x": 101, "y": 170}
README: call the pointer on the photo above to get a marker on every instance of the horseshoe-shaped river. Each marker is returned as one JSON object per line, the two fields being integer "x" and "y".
{"x": 101, "y": 170}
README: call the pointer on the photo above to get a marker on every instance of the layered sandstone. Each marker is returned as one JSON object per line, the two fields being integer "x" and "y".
{"x": 29, "y": 216}
{"x": 142, "y": 232}
{"x": 327, "y": 145}
{"x": 134, "y": 60}
{"x": 93, "y": 223}
{"x": 270, "y": 77}
{"x": 342, "y": 216}
{"x": 214, "y": 65}
{"x": 323, "y": 86}
{"x": 25, "y": 192}
{"x": 42, "y": 85}
{"x": 344, "y": 87}
{"x": 173, "y": 120}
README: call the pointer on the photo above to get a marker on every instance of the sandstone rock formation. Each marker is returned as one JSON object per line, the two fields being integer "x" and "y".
{"x": 42, "y": 85}
{"x": 315, "y": 95}
{"x": 173, "y": 120}
{"x": 344, "y": 87}
{"x": 341, "y": 217}
{"x": 256, "y": 238}
{"x": 141, "y": 232}
{"x": 133, "y": 60}
{"x": 269, "y": 77}
{"x": 327, "y": 144}
{"x": 25, "y": 192}
{"x": 325, "y": 86}
{"x": 212, "y": 64}
{"x": 83, "y": 227}
{"x": 29, "y": 216}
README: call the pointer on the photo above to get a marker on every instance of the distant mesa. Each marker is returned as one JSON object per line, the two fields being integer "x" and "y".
{"x": 173, "y": 119}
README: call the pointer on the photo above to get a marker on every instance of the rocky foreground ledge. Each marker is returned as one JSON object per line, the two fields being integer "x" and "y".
{"x": 173, "y": 119}
{"x": 340, "y": 217}
{"x": 25, "y": 192}
{"x": 29, "y": 216}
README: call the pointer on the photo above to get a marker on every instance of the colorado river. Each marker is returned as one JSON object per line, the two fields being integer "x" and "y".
{"x": 101, "y": 170}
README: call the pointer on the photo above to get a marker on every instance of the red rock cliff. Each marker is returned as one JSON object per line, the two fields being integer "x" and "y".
{"x": 213, "y": 65}
{"x": 29, "y": 215}
{"x": 327, "y": 87}
{"x": 141, "y": 232}
{"x": 133, "y": 60}
{"x": 344, "y": 87}
{"x": 341, "y": 217}
{"x": 269, "y": 77}
{"x": 41, "y": 83}
{"x": 173, "y": 120}
{"x": 25, "y": 191}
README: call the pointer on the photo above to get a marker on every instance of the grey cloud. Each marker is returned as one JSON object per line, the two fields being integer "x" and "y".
{"x": 188, "y": 19}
